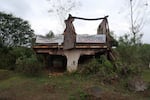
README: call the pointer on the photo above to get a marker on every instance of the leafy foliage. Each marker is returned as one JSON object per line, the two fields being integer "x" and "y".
{"x": 101, "y": 65}
{"x": 144, "y": 52}
{"x": 131, "y": 54}
{"x": 50, "y": 34}
{"x": 28, "y": 65}
{"x": 14, "y": 31}
{"x": 10, "y": 55}
{"x": 7, "y": 60}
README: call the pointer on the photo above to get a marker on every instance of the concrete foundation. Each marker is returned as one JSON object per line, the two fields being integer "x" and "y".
{"x": 72, "y": 59}
{"x": 73, "y": 55}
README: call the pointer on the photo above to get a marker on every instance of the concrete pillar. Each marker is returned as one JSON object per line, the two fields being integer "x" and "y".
{"x": 72, "y": 59}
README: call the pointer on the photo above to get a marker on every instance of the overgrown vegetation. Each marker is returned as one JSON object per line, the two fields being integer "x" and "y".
{"x": 14, "y": 31}
{"x": 20, "y": 59}
{"x": 133, "y": 55}
{"x": 133, "y": 59}
{"x": 15, "y": 45}
{"x": 131, "y": 62}
{"x": 65, "y": 87}
{"x": 101, "y": 65}
{"x": 28, "y": 65}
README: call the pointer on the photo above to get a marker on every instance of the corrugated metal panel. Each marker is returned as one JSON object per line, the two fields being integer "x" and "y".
{"x": 101, "y": 38}
{"x": 91, "y": 38}
{"x": 57, "y": 39}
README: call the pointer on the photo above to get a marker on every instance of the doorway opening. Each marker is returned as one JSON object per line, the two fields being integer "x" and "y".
{"x": 57, "y": 63}
{"x": 85, "y": 59}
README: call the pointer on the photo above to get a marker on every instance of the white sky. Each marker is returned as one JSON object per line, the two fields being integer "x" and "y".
{"x": 36, "y": 12}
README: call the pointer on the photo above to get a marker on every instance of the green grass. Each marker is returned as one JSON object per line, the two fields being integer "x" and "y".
{"x": 42, "y": 87}
{"x": 4, "y": 74}
{"x": 146, "y": 75}
{"x": 63, "y": 87}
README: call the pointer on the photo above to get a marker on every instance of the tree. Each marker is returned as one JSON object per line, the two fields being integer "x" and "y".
{"x": 14, "y": 31}
{"x": 50, "y": 34}
{"x": 61, "y": 8}
{"x": 138, "y": 14}
{"x": 1, "y": 45}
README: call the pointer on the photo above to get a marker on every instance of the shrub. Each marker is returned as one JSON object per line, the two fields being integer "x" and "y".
{"x": 28, "y": 65}
{"x": 100, "y": 65}
{"x": 10, "y": 55}
{"x": 133, "y": 59}
{"x": 144, "y": 53}
{"x": 7, "y": 60}
{"x": 21, "y": 51}
{"x": 91, "y": 68}
{"x": 128, "y": 70}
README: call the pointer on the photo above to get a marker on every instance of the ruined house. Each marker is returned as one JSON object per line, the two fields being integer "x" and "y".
{"x": 70, "y": 47}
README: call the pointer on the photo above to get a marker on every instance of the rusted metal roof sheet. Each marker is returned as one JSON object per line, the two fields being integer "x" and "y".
{"x": 101, "y": 38}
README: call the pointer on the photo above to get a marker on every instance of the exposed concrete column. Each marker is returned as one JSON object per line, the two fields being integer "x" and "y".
{"x": 72, "y": 59}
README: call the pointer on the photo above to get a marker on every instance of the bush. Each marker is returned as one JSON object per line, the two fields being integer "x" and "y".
{"x": 91, "y": 68}
{"x": 125, "y": 70}
{"x": 21, "y": 51}
{"x": 133, "y": 58}
{"x": 7, "y": 60}
{"x": 108, "y": 71}
{"x": 10, "y": 55}
{"x": 133, "y": 54}
{"x": 28, "y": 65}
{"x": 144, "y": 53}
{"x": 101, "y": 66}
{"x": 21, "y": 59}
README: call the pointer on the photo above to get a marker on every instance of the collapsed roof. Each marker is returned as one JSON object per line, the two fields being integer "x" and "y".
{"x": 59, "y": 39}
{"x": 70, "y": 37}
